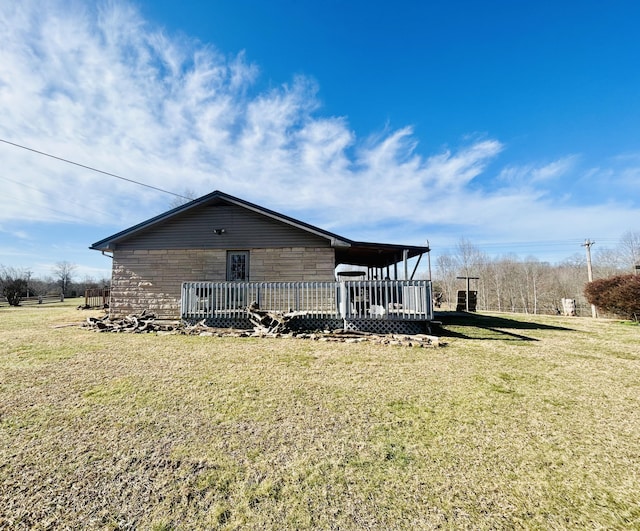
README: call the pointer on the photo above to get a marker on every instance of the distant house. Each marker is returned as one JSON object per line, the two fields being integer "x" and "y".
{"x": 177, "y": 263}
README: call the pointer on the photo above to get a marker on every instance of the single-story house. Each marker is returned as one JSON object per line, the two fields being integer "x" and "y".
{"x": 215, "y": 255}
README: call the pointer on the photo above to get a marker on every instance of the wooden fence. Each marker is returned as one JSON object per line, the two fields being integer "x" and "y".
{"x": 97, "y": 298}
{"x": 39, "y": 299}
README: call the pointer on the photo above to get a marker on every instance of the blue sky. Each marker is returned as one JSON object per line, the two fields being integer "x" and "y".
{"x": 513, "y": 125}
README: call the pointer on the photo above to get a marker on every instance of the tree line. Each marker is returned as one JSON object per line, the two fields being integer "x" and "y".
{"x": 511, "y": 284}
{"x": 16, "y": 284}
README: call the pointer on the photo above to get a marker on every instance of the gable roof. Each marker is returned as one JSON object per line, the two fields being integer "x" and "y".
{"x": 347, "y": 251}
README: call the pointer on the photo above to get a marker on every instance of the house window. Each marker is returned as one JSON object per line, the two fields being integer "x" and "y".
{"x": 238, "y": 265}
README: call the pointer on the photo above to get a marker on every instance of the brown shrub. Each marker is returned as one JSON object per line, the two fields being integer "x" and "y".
{"x": 619, "y": 295}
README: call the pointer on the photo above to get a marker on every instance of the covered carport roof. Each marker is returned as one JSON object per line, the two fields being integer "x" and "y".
{"x": 376, "y": 255}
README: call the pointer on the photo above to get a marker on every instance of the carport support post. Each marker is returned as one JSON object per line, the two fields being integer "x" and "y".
{"x": 405, "y": 259}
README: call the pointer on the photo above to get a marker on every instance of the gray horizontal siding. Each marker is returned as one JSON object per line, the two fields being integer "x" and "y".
{"x": 244, "y": 229}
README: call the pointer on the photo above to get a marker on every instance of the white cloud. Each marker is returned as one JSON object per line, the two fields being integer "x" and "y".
{"x": 519, "y": 176}
{"x": 100, "y": 86}
{"x": 19, "y": 234}
{"x": 104, "y": 89}
{"x": 554, "y": 170}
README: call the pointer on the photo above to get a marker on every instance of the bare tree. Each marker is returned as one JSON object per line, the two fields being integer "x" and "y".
{"x": 630, "y": 249}
{"x": 607, "y": 263}
{"x": 469, "y": 257}
{"x": 472, "y": 261}
{"x": 495, "y": 277}
{"x": 39, "y": 286}
{"x": 446, "y": 268}
{"x": 63, "y": 271}
{"x": 185, "y": 197}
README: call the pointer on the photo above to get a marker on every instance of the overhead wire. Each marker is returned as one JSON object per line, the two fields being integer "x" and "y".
{"x": 551, "y": 246}
{"x": 91, "y": 168}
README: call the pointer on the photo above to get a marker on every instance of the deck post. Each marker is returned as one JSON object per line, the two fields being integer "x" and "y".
{"x": 344, "y": 302}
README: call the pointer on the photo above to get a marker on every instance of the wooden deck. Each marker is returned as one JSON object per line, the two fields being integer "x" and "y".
{"x": 357, "y": 301}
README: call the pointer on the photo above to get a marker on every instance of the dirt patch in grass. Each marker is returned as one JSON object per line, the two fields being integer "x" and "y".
{"x": 175, "y": 432}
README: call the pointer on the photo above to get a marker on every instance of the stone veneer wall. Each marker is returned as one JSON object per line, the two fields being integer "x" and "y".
{"x": 151, "y": 279}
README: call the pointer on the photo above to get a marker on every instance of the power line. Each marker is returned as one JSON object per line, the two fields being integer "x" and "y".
{"x": 535, "y": 243}
{"x": 528, "y": 245}
{"x": 94, "y": 169}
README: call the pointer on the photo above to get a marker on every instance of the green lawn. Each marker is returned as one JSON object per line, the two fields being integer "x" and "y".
{"x": 523, "y": 422}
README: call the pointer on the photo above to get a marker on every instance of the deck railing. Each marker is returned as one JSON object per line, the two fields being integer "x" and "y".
{"x": 402, "y": 300}
{"x": 361, "y": 299}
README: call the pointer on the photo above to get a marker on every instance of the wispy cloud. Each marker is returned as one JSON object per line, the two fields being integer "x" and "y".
{"x": 20, "y": 234}
{"x": 100, "y": 86}
{"x": 554, "y": 170}
{"x": 528, "y": 175}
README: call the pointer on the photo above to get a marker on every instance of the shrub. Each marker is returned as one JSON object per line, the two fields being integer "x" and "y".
{"x": 14, "y": 285}
{"x": 619, "y": 295}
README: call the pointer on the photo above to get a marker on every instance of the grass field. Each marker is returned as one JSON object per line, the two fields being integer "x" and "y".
{"x": 516, "y": 423}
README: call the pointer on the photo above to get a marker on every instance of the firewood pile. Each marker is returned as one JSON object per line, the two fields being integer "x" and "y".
{"x": 132, "y": 324}
{"x": 266, "y": 324}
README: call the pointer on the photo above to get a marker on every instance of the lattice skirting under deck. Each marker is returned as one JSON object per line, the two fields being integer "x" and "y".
{"x": 301, "y": 324}
{"x": 382, "y": 326}
{"x": 220, "y": 322}
{"x": 376, "y": 326}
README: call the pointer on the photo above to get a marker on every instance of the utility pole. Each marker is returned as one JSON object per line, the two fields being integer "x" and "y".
{"x": 587, "y": 245}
